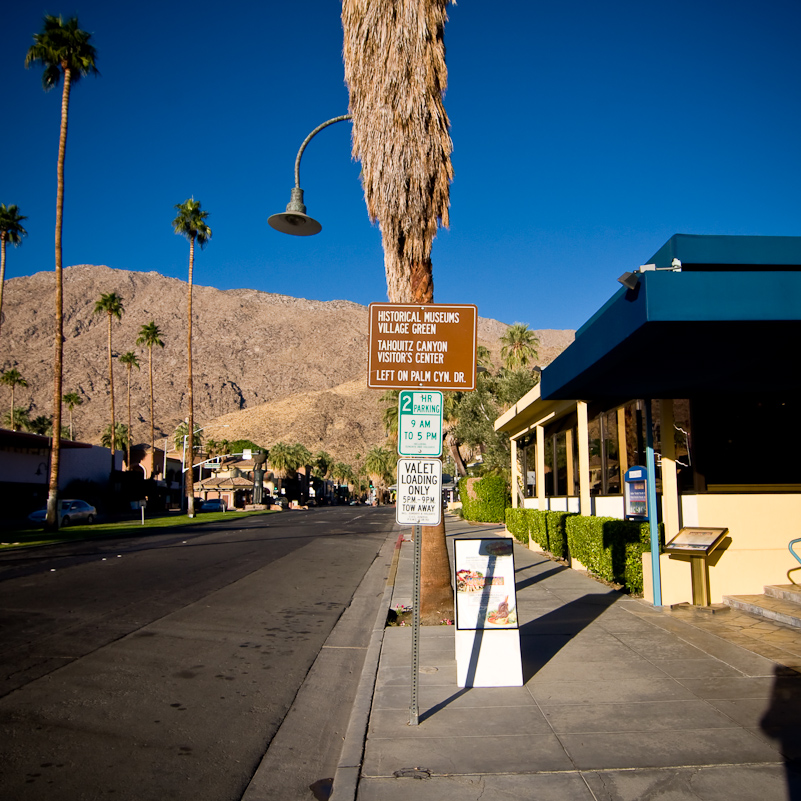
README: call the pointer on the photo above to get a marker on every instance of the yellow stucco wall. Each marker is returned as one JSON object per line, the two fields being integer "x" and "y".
{"x": 754, "y": 554}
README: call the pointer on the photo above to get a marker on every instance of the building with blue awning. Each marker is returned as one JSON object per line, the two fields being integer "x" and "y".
{"x": 707, "y": 333}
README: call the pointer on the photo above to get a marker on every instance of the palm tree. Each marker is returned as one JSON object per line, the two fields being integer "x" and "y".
{"x": 396, "y": 75}
{"x": 483, "y": 357}
{"x": 286, "y": 459}
{"x": 390, "y": 414}
{"x": 191, "y": 223}
{"x": 130, "y": 361}
{"x": 111, "y": 306}
{"x": 13, "y": 378}
{"x": 62, "y": 48}
{"x": 120, "y": 436}
{"x": 379, "y": 464}
{"x": 181, "y": 437}
{"x": 395, "y": 71}
{"x": 18, "y": 417}
{"x": 322, "y": 464}
{"x": 42, "y": 424}
{"x": 11, "y": 231}
{"x": 519, "y": 346}
{"x": 150, "y": 337}
{"x": 72, "y": 399}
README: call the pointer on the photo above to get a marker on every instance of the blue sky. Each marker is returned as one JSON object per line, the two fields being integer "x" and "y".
{"x": 585, "y": 135}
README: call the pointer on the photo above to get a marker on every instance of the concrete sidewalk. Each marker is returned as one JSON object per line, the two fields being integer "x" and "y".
{"x": 621, "y": 701}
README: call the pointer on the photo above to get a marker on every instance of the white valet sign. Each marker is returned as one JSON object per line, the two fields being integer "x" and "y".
{"x": 487, "y": 633}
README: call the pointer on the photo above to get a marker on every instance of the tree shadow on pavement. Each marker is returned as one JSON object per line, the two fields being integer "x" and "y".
{"x": 781, "y": 722}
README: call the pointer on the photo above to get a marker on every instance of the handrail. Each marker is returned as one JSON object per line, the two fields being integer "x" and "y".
{"x": 798, "y": 558}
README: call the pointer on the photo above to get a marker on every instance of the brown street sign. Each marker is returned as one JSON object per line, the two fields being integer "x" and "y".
{"x": 431, "y": 346}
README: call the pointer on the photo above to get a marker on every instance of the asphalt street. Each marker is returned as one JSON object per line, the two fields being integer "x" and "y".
{"x": 163, "y": 666}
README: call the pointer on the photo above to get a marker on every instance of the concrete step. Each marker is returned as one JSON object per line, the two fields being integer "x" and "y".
{"x": 770, "y": 607}
{"x": 787, "y": 592}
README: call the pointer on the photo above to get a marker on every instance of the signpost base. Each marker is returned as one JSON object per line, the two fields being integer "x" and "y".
{"x": 488, "y": 658}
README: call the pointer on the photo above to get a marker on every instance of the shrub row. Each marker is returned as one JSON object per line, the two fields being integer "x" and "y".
{"x": 609, "y": 548}
{"x": 484, "y": 499}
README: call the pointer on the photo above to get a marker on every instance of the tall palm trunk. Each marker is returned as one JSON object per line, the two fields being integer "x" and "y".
{"x": 2, "y": 271}
{"x": 436, "y": 592}
{"x": 129, "y": 416}
{"x": 111, "y": 389}
{"x": 190, "y": 481}
{"x": 52, "y": 520}
{"x": 152, "y": 425}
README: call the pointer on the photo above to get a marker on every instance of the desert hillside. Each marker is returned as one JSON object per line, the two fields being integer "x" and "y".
{"x": 267, "y": 367}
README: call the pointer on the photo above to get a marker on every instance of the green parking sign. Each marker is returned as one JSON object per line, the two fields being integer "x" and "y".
{"x": 420, "y": 423}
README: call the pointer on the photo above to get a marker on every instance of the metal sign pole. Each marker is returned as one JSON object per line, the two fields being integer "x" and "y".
{"x": 414, "y": 709}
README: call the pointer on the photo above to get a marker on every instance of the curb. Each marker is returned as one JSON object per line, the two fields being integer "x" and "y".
{"x": 346, "y": 778}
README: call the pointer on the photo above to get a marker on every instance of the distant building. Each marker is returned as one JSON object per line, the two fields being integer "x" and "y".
{"x": 25, "y": 469}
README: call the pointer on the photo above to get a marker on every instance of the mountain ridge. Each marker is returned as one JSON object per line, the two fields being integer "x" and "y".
{"x": 250, "y": 348}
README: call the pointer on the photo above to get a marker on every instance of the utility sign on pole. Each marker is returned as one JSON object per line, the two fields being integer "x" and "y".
{"x": 420, "y": 423}
{"x": 419, "y": 499}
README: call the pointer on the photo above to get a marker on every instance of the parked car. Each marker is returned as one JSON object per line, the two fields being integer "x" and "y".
{"x": 216, "y": 505}
{"x": 70, "y": 511}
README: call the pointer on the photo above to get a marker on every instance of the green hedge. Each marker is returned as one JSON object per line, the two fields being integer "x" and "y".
{"x": 538, "y": 528}
{"x": 488, "y": 500}
{"x": 557, "y": 535}
{"x": 609, "y": 548}
{"x": 517, "y": 524}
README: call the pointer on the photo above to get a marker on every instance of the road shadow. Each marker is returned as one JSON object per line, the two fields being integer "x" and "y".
{"x": 542, "y": 638}
{"x": 781, "y": 723}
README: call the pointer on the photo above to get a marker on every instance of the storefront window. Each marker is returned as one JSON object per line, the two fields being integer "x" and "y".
{"x": 611, "y": 453}
{"x": 549, "y": 471}
{"x": 596, "y": 463}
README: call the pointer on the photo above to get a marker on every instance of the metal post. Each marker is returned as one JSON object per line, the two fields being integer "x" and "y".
{"x": 414, "y": 709}
{"x": 653, "y": 517}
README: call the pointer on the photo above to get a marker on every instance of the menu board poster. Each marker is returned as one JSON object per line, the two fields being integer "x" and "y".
{"x": 485, "y": 583}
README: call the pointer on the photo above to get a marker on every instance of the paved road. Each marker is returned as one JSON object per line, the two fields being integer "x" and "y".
{"x": 161, "y": 667}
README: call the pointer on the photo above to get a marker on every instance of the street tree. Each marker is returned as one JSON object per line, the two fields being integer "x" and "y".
{"x": 64, "y": 50}
{"x": 11, "y": 231}
{"x": 282, "y": 462}
{"x": 389, "y": 415}
{"x": 322, "y": 462}
{"x": 379, "y": 464}
{"x": 120, "y": 439}
{"x": 519, "y": 346}
{"x": 13, "y": 378}
{"x": 190, "y": 223}
{"x": 181, "y": 437}
{"x": 72, "y": 399}
{"x": 130, "y": 361}
{"x": 17, "y": 418}
{"x": 41, "y": 424}
{"x": 396, "y": 76}
{"x": 111, "y": 305}
{"x": 150, "y": 337}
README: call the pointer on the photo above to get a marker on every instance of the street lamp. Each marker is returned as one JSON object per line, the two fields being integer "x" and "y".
{"x": 294, "y": 220}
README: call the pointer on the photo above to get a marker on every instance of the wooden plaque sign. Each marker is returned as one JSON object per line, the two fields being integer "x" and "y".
{"x": 431, "y": 346}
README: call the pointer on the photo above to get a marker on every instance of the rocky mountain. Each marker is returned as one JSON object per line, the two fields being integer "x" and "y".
{"x": 266, "y": 367}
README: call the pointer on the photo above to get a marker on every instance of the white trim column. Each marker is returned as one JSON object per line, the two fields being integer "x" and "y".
{"x": 584, "y": 458}
{"x": 540, "y": 477}
{"x": 515, "y": 474}
{"x": 670, "y": 485}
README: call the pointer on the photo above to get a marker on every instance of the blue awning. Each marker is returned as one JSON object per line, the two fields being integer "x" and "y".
{"x": 679, "y": 334}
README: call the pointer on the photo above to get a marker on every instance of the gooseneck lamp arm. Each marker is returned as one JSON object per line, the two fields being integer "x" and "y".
{"x": 294, "y": 220}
